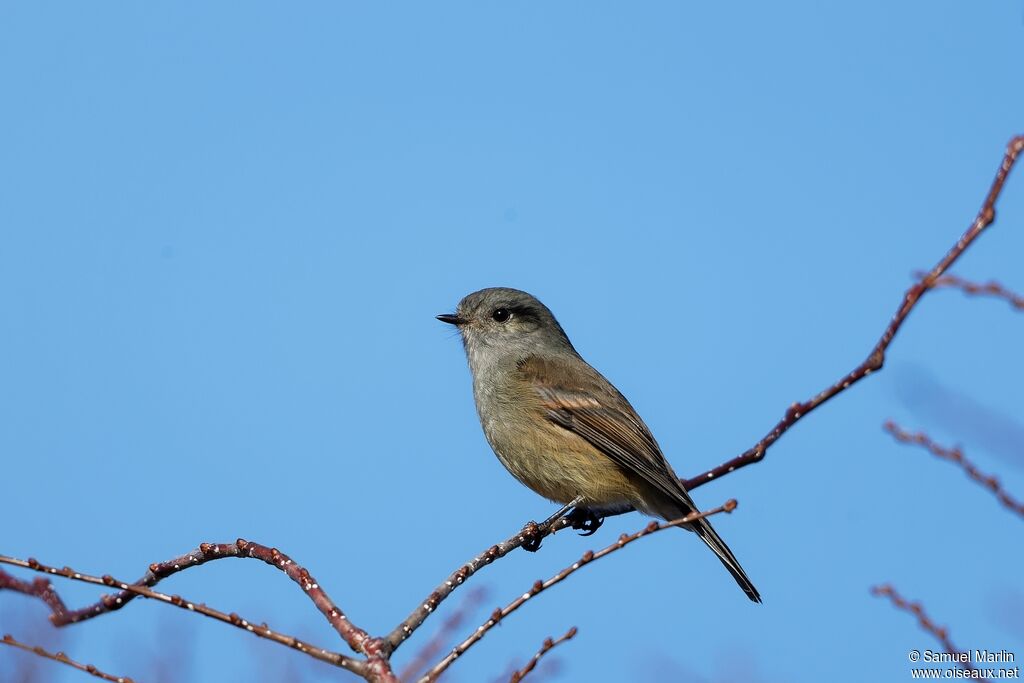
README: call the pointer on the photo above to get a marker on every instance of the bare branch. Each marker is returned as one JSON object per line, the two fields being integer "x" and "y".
{"x": 876, "y": 358}
{"x": 8, "y": 639}
{"x": 915, "y": 608}
{"x": 990, "y": 288}
{"x": 955, "y": 455}
{"x": 376, "y": 666}
{"x": 430, "y": 649}
{"x": 548, "y": 645}
{"x": 59, "y": 617}
{"x": 207, "y": 552}
{"x": 40, "y": 588}
{"x": 356, "y": 637}
{"x": 539, "y": 586}
{"x": 531, "y": 532}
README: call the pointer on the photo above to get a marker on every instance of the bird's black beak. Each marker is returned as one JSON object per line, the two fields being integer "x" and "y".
{"x": 452, "y": 319}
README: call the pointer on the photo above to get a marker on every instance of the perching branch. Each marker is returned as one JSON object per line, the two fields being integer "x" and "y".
{"x": 8, "y": 639}
{"x": 531, "y": 532}
{"x": 376, "y": 665}
{"x": 955, "y": 455}
{"x": 539, "y": 586}
{"x": 876, "y": 358}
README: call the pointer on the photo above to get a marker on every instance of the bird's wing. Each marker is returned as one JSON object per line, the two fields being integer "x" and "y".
{"x": 577, "y": 398}
{"x": 595, "y": 411}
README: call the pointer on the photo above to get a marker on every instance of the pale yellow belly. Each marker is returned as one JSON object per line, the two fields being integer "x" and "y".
{"x": 560, "y": 465}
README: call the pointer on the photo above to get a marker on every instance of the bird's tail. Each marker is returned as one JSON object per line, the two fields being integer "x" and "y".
{"x": 715, "y": 542}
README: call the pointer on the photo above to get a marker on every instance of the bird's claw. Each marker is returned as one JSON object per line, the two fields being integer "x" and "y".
{"x": 585, "y": 521}
{"x": 581, "y": 519}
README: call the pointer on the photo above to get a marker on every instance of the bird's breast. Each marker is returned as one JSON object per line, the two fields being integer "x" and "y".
{"x": 548, "y": 459}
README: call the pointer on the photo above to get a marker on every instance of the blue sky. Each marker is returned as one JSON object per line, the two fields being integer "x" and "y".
{"x": 226, "y": 231}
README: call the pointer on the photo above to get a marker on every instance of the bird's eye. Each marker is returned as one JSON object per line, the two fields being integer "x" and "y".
{"x": 501, "y": 315}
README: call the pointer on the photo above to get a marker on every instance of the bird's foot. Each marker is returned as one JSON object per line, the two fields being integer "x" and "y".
{"x": 534, "y": 533}
{"x": 579, "y": 518}
{"x": 585, "y": 521}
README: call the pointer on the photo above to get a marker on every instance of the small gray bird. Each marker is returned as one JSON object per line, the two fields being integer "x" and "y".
{"x": 559, "y": 426}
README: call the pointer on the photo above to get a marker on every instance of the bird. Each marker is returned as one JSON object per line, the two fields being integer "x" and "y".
{"x": 560, "y": 427}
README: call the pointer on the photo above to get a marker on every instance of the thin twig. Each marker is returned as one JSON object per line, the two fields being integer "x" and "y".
{"x": 955, "y": 455}
{"x": 454, "y": 620}
{"x": 539, "y": 586}
{"x": 261, "y": 630}
{"x": 990, "y": 288}
{"x": 8, "y": 639}
{"x": 377, "y": 650}
{"x": 548, "y": 645}
{"x": 39, "y": 587}
{"x": 941, "y": 634}
{"x": 876, "y": 358}
{"x": 207, "y": 552}
{"x": 531, "y": 532}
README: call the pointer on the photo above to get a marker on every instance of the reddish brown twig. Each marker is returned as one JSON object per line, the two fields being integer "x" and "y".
{"x": 58, "y": 617}
{"x": 378, "y": 651}
{"x": 8, "y": 639}
{"x": 539, "y": 586}
{"x": 941, "y": 634}
{"x": 433, "y": 646}
{"x": 531, "y": 532}
{"x": 207, "y": 552}
{"x": 548, "y": 645}
{"x": 876, "y": 358}
{"x": 990, "y": 288}
{"x": 955, "y": 455}
{"x": 38, "y": 587}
